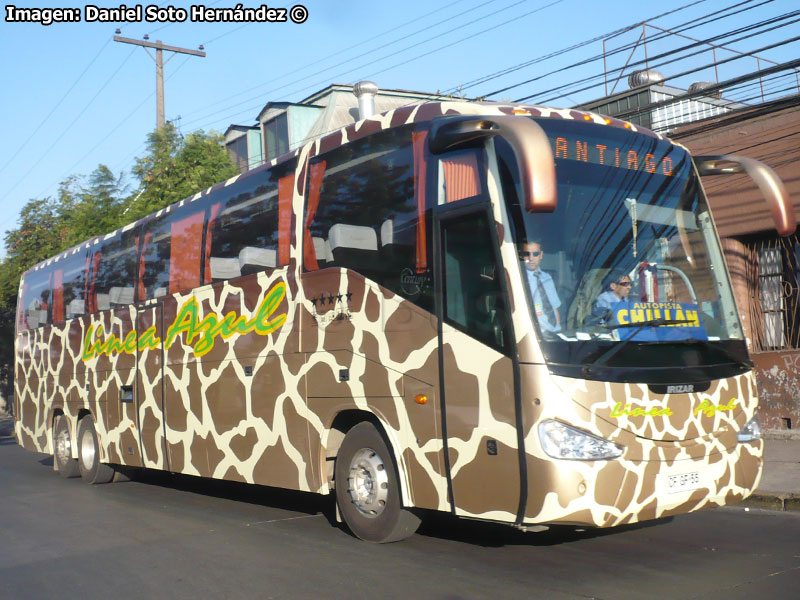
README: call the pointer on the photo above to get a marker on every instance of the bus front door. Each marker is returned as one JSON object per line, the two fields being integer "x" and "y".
{"x": 477, "y": 376}
{"x": 150, "y": 386}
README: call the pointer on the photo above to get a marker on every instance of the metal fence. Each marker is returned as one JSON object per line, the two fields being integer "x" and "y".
{"x": 772, "y": 274}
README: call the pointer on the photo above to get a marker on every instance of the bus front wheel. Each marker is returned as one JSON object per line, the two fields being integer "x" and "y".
{"x": 62, "y": 448}
{"x": 92, "y": 470}
{"x": 367, "y": 488}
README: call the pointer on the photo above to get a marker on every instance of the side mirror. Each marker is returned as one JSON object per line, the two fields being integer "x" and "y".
{"x": 535, "y": 162}
{"x": 765, "y": 178}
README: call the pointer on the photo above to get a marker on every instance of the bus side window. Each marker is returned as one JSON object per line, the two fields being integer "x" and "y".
{"x": 69, "y": 285}
{"x": 473, "y": 298}
{"x": 58, "y": 293}
{"x": 155, "y": 258}
{"x": 367, "y": 214}
{"x": 460, "y": 175}
{"x": 36, "y": 299}
{"x": 186, "y": 233}
{"x": 242, "y": 233}
{"x": 111, "y": 273}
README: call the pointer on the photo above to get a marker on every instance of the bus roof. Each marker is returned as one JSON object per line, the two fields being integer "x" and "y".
{"x": 405, "y": 115}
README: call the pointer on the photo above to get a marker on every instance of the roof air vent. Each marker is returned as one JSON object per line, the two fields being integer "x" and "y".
{"x": 703, "y": 85}
{"x": 365, "y": 91}
{"x": 645, "y": 77}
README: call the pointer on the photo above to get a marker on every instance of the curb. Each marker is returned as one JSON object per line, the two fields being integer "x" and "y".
{"x": 779, "y": 502}
{"x": 782, "y": 434}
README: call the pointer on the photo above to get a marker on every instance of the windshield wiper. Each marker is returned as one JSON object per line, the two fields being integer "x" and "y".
{"x": 611, "y": 352}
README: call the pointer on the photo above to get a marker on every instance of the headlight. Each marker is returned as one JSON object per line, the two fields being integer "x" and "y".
{"x": 562, "y": 441}
{"x": 751, "y": 431}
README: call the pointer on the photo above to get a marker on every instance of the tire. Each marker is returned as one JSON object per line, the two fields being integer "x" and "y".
{"x": 367, "y": 488}
{"x": 92, "y": 470}
{"x": 62, "y": 448}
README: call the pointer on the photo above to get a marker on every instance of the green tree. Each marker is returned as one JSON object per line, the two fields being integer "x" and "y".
{"x": 175, "y": 168}
{"x": 99, "y": 206}
{"x": 172, "y": 169}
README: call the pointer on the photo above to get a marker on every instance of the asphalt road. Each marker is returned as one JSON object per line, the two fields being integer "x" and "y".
{"x": 165, "y": 536}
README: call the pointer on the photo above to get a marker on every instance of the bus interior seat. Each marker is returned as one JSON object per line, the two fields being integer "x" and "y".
{"x": 387, "y": 233}
{"x": 354, "y": 246}
{"x": 36, "y": 317}
{"x": 323, "y": 251}
{"x": 398, "y": 242}
{"x": 159, "y": 291}
{"x": 103, "y": 302}
{"x": 253, "y": 260}
{"x": 120, "y": 295}
{"x": 75, "y": 308}
{"x": 224, "y": 268}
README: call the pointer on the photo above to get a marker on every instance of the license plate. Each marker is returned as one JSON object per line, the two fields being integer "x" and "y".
{"x": 683, "y": 482}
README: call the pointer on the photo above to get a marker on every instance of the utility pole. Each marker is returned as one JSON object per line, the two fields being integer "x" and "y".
{"x": 159, "y": 59}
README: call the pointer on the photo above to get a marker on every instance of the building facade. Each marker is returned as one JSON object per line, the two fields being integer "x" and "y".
{"x": 764, "y": 267}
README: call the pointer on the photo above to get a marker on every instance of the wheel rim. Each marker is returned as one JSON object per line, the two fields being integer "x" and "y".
{"x": 63, "y": 445}
{"x": 368, "y": 482}
{"x": 87, "y": 449}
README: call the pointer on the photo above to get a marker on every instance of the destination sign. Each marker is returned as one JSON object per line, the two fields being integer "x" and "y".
{"x": 606, "y": 152}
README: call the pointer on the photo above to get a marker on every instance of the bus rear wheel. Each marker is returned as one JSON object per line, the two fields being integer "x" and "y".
{"x": 367, "y": 488}
{"x": 62, "y": 448}
{"x": 92, "y": 470}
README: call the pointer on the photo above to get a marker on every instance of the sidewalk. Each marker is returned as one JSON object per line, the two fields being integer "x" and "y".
{"x": 780, "y": 484}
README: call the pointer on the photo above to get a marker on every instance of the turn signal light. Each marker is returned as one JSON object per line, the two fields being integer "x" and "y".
{"x": 421, "y": 399}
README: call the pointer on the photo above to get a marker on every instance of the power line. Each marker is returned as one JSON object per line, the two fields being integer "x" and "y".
{"x": 684, "y": 73}
{"x": 690, "y": 25}
{"x": 260, "y": 96}
{"x": 50, "y": 114}
{"x": 70, "y": 126}
{"x": 614, "y": 33}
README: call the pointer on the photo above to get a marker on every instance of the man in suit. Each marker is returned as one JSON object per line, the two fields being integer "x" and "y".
{"x": 543, "y": 291}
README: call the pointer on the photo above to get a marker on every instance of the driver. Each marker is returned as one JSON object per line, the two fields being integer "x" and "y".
{"x": 617, "y": 285}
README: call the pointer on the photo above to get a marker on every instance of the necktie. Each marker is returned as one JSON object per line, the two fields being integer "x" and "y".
{"x": 549, "y": 312}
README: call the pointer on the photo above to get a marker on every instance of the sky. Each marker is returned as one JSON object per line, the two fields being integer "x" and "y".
{"x": 73, "y": 99}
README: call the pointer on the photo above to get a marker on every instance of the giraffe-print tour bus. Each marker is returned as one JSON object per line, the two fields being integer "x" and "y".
{"x": 510, "y": 313}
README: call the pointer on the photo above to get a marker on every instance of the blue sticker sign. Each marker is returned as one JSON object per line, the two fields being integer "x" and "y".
{"x": 657, "y": 321}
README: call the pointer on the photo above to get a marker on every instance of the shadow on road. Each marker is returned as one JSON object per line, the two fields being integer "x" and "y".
{"x": 303, "y": 502}
{"x": 495, "y": 535}
{"x": 434, "y": 525}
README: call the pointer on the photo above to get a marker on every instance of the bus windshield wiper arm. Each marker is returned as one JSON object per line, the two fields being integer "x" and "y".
{"x": 611, "y": 352}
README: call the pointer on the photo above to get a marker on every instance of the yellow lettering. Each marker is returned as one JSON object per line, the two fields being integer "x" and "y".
{"x": 188, "y": 324}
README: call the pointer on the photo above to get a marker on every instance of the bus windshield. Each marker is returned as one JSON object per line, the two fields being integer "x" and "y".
{"x": 625, "y": 279}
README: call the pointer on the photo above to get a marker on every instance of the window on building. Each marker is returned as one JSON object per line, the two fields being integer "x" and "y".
{"x": 238, "y": 153}
{"x": 276, "y": 136}
{"x": 774, "y": 276}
